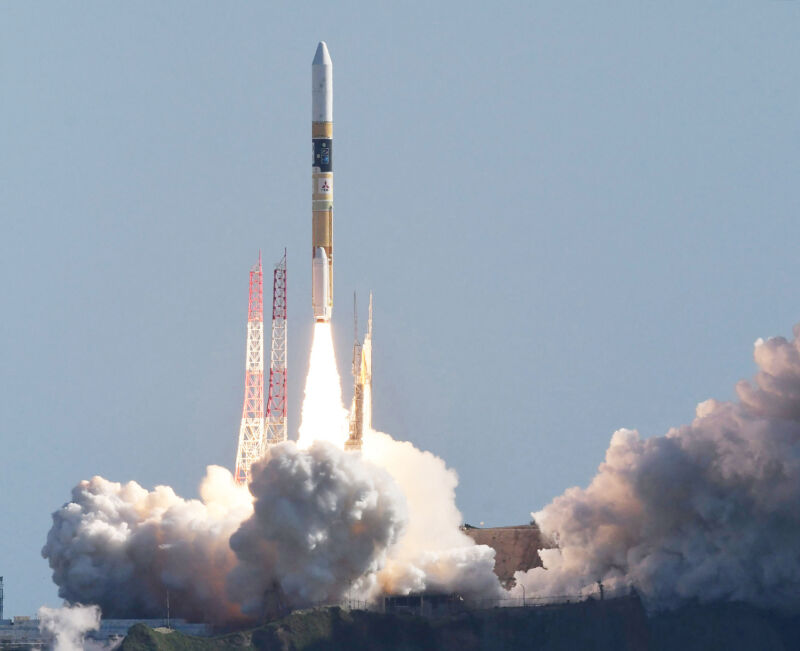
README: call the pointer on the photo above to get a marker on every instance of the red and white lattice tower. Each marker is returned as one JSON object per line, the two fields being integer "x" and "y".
{"x": 251, "y": 432}
{"x": 276, "y": 403}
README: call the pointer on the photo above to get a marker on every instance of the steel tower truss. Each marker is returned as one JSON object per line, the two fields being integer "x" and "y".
{"x": 276, "y": 404}
{"x": 251, "y": 431}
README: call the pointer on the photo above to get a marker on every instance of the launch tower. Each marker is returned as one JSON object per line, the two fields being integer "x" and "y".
{"x": 276, "y": 403}
{"x": 251, "y": 431}
{"x": 261, "y": 427}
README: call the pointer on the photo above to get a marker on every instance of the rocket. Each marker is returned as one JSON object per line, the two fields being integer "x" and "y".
{"x": 322, "y": 184}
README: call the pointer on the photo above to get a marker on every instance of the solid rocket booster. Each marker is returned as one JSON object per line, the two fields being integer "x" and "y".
{"x": 322, "y": 184}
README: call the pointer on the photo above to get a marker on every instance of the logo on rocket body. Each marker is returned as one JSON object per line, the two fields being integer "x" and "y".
{"x": 322, "y": 184}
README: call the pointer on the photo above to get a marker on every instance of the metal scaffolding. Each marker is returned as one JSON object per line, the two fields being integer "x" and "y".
{"x": 276, "y": 403}
{"x": 251, "y": 431}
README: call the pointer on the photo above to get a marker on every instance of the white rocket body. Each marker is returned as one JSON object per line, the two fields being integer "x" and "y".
{"x": 322, "y": 85}
{"x": 322, "y": 184}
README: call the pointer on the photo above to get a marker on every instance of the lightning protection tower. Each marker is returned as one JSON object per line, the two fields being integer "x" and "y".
{"x": 356, "y": 421}
{"x": 361, "y": 409}
{"x": 276, "y": 403}
{"x": 251, "y": 431}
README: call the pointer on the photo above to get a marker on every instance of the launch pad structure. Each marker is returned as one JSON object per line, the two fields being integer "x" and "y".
{"x": 262, "y": 427}
{"x": 251, "y": 430}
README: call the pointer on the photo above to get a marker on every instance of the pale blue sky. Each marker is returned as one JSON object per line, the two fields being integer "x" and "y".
{"x": 574, "y": 217}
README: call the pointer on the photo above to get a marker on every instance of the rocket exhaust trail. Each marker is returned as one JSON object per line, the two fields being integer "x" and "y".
{"x": 322, "y": 185}
{"x": 324, "y": 417}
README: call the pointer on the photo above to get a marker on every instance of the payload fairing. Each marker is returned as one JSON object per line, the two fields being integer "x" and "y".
{"x": 322, "y": 184}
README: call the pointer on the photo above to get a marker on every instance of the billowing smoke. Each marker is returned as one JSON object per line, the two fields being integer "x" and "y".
{"x": 323, "y": 521}
{"x": 69, "y": 625}
{"x": 708, "y": 512}
{"x": 124, "y": 548}
{"x": 433, "y": 554}
{"x": 317, "y": 525}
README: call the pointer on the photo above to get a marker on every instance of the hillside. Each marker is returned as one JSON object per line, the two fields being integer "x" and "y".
{"x": 618, "y": 624}
{"x": 613, "y": 625}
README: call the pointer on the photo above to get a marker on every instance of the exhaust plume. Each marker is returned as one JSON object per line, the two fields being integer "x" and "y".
{"x": 708, "y": 512}
{"x": 324, "y": 417}
{"x": 433, "y": 554}
{"x": 323, "y": 521}
{"x": 317, "y": 525}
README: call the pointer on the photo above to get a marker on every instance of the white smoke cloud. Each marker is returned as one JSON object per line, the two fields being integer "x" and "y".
{"x": 709, "y": 511}
{"x": 122, "y": 547}
{"x": 433, "y": 554}
{"x": 317, "y": 525}
{"x": 69, "y": 625}
{"x": 323, "y": 521}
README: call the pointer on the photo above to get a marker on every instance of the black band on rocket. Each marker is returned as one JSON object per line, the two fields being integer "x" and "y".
{"x": 323, "y": 154}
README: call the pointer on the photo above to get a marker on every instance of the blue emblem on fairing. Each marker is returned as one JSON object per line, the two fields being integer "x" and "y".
{"x": 323, "y": 158}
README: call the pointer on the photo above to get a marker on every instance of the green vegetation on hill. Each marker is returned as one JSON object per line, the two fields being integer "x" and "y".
{"x": 612, "y": 625}
{"x": 143, "y": 638}
{"x": 619, "y": 624}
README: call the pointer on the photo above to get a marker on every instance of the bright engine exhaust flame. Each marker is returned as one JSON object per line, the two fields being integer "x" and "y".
{"x": 324, "y": 417}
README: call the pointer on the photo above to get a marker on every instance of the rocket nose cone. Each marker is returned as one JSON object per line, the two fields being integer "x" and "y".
{"x": 322, "y": 58}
